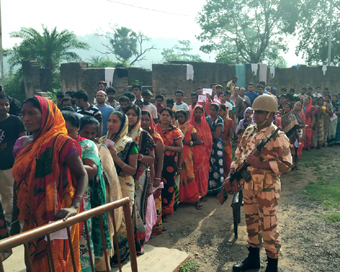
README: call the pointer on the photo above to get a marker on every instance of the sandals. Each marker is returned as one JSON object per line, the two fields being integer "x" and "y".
{"x": 199, "y": 205}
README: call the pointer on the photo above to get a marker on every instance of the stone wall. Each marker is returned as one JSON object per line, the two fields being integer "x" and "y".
{"x": 31, "y": 76}
{"x": 77, "y": 76}
{"x": 144, "y": 76}
{"x": 167, "y": 78}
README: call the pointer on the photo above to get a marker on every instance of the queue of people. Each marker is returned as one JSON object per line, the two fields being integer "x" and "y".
{"x": 69, "y": 156}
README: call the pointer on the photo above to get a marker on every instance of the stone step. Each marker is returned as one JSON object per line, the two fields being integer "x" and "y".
{"x": 155, "y": 259}
{"x": 158, "y": 259}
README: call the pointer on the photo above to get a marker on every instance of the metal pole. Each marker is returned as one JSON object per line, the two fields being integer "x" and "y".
{"x": 330, "y": 33}
{"x": 1, "y": 53}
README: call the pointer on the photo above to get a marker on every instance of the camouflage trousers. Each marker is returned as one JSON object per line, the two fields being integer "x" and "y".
{"x": 261, "y": 209}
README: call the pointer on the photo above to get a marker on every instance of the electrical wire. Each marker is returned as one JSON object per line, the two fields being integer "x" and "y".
{"x": 149, "y": 9}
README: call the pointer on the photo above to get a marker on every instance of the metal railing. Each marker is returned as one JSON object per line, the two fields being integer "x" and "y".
{"x": 46, "y": 230}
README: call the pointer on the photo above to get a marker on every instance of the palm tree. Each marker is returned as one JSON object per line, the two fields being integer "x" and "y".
{"x": 49, "y": 49}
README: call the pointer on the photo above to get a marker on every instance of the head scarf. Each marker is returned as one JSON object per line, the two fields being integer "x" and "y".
{"x": 204, "y": 128}
{"x": 155, "y": 135}
{"x": 241, "y": 124}
{"x": 121, "y": 138}
{"x": 136, "y": 130}
{"x": 52, "y": 124}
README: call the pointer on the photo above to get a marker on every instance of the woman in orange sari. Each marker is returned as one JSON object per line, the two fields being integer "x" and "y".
{"x": 188, "y": 190}
{"x": 201, "y": 152}
{"x": 50, "y": 181}
{"x": 227, "y": 135}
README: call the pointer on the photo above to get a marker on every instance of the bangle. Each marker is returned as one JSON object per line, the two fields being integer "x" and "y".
{"x": 123, "y": 166}
{"x": 158, "y": 178}
{"x": 178, "y": 168}
{"x": 78, "y": 196}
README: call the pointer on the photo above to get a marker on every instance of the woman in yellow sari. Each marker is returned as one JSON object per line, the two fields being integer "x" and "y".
{"x": 50, "y": 182}
{"x": 124, "y": 153}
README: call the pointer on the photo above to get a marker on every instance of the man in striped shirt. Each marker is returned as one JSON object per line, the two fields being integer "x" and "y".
{"x": 85, "y": 108}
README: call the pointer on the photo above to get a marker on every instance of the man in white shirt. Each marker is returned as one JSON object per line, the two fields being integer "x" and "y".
{"x": 137, "y": 91}
{"x": 147, "y": 106}
{"x": 180, "y": 105}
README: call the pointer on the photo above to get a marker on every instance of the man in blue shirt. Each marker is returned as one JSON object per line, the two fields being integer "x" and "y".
{"x": 250, "y": 93}
{"x": 105, "y": 109}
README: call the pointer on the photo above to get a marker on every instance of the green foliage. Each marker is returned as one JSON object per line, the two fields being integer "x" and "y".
{"x": 246, "y": 30}
{"x": 313, "y": 29}
{"x": 180, "y": 52}
{"x": 189, "y": 266}
{"x": 100, "y": 62}
{"x": 14, "y": 85}
{"x": 49, "y": 49}
{"x": 126, "y": 45}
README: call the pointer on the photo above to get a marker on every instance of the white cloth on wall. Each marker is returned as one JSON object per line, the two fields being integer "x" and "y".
{"x": 254, "y": 68}
{"x": 109, "y": 72}
{"x": 263, "y": 72}
{"x": 324, "y": 69}
{"x": 272, "y": 71}
{"x": 190, "y": 72}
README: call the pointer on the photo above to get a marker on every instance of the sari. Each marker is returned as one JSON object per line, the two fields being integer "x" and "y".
{"x": 158, "y": 227}
{"x": 3, "y": 234}
{"x": 308, "y": 132}
{"x": 333, "y": 126}
{"x": 188, "y": 189}
{"x": 319, "y": 132}
{"x": 44, "y": 185}
{"x": 145, "y": 145}
{"x": 327, "y": 121}
{"x": 124, "y": 146}
{"x": 228, "y": 151}
{"x": 202, "y": 153}
{"x": 95, "y": 196}
{"x": 169, "y": 137}
{"x": 216, "y": 172}
{"x": 290, "y": 125}
{"x": 301, "y": 118}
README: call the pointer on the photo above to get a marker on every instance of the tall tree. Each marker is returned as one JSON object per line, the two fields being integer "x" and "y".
{"x": 313, "y": 31}
{"x": 180, "y": 52}
{"x": 126, "y": 45}
{"x": 246, "y": 30}
{"x": 49, "y": 49}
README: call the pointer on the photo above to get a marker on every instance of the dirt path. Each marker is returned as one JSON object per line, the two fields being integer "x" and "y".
{"x": 308, "y": 242}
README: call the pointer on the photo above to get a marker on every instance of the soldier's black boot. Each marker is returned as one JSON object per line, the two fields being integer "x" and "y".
{"x": 251, "y": 262}
{"x": 272, "y": 265}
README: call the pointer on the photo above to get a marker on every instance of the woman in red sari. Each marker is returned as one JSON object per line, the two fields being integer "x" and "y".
{"x": 201, "y": 152}
{"x": 188, "y": 191}
{"x": 310, "y": 120}
{"x": 227, "y": 135}
{"x": 300, "y": 116}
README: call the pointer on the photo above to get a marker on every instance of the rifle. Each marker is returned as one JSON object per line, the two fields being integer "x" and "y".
{"x": 241, "y": 173}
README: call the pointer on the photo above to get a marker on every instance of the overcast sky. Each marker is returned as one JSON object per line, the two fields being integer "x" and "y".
{"x": 88, "y": 16}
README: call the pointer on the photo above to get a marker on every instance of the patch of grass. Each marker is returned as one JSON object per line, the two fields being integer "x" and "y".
{"x": 189, "y": 266}
{"x": 332, "y": 217}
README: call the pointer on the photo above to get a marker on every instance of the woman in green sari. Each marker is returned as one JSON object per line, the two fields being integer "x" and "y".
{"x": 95, "y": 196}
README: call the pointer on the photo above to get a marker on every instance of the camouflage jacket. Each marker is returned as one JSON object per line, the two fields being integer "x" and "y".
{"x": 276, "y": 152}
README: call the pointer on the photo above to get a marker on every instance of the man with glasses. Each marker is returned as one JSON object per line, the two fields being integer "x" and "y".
{"x": 261, "y": 193}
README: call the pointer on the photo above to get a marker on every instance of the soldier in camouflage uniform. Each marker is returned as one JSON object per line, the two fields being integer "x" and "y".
{"x": 262, "y": 193}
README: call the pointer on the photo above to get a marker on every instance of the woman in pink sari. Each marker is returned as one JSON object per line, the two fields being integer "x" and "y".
{"x": 201, "y": 152}
{"x": 308, "y": 132}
